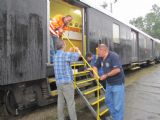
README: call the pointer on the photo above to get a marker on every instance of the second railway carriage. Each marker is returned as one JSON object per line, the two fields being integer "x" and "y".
{"x": 133, "y": 45}
{"x": 25, "y": 45}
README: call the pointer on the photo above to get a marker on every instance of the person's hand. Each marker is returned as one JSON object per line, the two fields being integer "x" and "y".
{"x": 77, "y": 50}
{"x": 71, "y": 49}
{"x": 103, "y": 77}
{"x": 89, "y": 69}
{"x": 60, "y": 30}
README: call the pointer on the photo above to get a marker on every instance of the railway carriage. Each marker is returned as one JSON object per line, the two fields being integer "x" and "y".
{"x": 25, "y": 45}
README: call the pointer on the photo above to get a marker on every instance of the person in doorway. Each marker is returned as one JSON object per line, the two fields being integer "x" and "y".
{"x": 114, "y": 77}
{"x": 64, "y": 79}
{"x": 57, "y": 27}
{"x": 59, "y": 24}
{"x": 91, "y": 59}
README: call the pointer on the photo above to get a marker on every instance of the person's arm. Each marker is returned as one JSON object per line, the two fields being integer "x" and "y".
{"x": 116, "y": 68}
{"x": 77, "y": 50}
{"x": 73, "y": 56}
{"x": 54, "y": 24}
{"x": 66, "y": 28}
{"x": 113, "y": 72}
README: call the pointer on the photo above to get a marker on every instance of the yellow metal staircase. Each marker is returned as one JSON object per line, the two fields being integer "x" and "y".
{"x": 92, "y": 93}
{"x": 87, "y": 86}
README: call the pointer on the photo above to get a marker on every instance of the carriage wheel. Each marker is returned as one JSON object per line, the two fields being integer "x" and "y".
{"x": 10, "y": 103}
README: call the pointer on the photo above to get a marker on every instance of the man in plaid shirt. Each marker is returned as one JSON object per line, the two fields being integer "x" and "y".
{"x": 64, "y": 79}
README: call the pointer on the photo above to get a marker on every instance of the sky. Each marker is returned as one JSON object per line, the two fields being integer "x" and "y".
{"x": 126, "y": 10}
{"x": 129, "y": 9}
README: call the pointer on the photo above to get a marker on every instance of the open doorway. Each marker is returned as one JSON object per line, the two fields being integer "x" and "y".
{"x": 74, "y": 33}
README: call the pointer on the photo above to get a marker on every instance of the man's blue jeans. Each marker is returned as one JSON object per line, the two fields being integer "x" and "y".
{"x": 115, "y": 96}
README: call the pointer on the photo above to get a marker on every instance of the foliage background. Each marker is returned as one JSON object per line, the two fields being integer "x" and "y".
{"x": 150, "y": 23}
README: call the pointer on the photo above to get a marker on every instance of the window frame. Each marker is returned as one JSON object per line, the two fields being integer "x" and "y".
{"x": 116, "y": 33}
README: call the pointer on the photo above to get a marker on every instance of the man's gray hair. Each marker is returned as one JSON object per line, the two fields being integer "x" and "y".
{"x": 59, "y": 44}
{"x": 103, "y": 46}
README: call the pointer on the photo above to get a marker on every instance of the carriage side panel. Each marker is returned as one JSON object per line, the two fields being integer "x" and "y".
{"x": 24, "y": 51}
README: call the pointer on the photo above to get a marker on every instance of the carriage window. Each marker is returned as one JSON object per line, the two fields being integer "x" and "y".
{"x": 116, "y": 33}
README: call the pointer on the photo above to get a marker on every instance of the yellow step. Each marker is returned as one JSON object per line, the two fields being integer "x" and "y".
{"x": 53, "y": 93}
{"x": 103, "y": 110}
{"x": 84, "y": 85}
{"x": 95, "y": 101}
{"x": 91, "y": 90}
{"x": 85, "y": 81}
{"x": 79, "y": 64}
{"x": 51, "y": 80}
{"x": 81, "y": 73}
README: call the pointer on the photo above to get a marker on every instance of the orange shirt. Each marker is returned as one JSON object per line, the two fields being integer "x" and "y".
{"x": 57, "y": 23}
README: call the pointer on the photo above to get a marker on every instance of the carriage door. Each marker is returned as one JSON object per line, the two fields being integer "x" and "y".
{"x": 74, "y": 31}
{"x": 134, "y": 39}
{"x": 97, "y": 29}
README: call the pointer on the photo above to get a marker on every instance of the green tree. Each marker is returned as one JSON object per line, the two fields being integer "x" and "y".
{"x": 150, "y": 23}
{"x": 138, "y": 22}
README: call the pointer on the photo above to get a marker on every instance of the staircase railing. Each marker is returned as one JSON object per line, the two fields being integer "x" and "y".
{"x": 95, "y": 73}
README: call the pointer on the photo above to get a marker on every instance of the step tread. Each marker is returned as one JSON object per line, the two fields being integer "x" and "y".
{"x": 54, "y": 93}
{"x": 85, "y": 80}
{"x": 84, "y": 85}
{"x": 90, "y": 90}
{"x": 77, "y": 64}
{"x": 94, "y": 100}
{"x": 51, "y": 80}
{"x": 82, "y": 73}
{"x": 103, "y": 110}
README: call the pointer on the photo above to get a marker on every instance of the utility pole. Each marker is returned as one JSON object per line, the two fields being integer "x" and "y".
{"x": 111, "y": 9}
{"x": 110, "y": 2}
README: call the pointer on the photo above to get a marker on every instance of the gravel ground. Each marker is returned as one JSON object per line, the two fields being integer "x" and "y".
{"x": 50, "y": 112}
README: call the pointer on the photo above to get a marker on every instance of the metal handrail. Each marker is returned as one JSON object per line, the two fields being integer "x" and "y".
{"x": 95, "y": 73}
